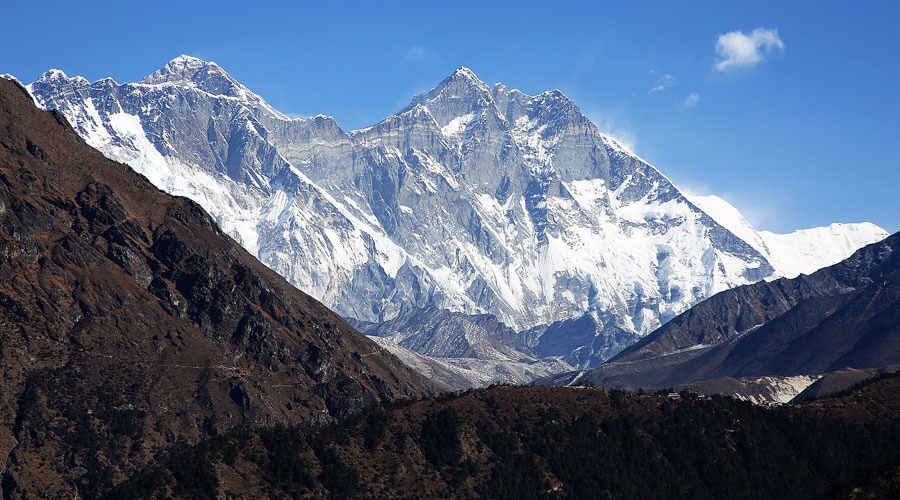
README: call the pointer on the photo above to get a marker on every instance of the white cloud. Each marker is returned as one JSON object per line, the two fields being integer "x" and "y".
{"x": 662, "y": 83}
{"x": 741, "y": 50}
{"x": 690, "y": 101}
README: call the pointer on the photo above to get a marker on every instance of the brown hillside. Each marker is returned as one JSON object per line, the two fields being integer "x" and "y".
{"x": 129, "y": 322}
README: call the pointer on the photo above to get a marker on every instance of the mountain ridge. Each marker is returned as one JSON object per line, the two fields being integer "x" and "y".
{"x": 474, "y": 199}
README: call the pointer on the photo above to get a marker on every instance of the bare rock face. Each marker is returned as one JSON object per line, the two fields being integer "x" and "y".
{"x": 129, "y": 322}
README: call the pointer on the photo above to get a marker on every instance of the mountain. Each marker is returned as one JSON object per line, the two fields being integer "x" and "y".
{"x": 474, "y": 199}
{"x": 460, "y": 350}
{"x": 129, "y": 322}
{"x": 843, "y": 317}
{"x": 804, "y": 251}
{"x": 530, "y": 442}
{"x": 461, "y": 373}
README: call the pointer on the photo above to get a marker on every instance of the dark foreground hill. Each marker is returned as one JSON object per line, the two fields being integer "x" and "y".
{"x": 129, "y": 322}
{"x": 549, "y": 442}
{"x": 846, "y": 316}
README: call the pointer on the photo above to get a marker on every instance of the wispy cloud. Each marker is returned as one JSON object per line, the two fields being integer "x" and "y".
{"x": 662, "y": 83}
{"x": 736, "y": 49}
{"x": 612, "y": 126}
{"x": 690, "y": 101}
{"x": 760, "y": 209}
{"x": 415, "y": 53}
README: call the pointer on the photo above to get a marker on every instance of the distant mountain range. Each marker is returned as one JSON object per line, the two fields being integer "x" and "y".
{"x": 511, "y": 226}
{"x": 770, "y": 340}
{"x": 130, "y": 323}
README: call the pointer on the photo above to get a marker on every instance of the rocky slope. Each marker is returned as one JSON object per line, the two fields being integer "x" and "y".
{"x": 473, "y": 199}
{"x": 843, "y": 316}
{"x": 129, "y": 322}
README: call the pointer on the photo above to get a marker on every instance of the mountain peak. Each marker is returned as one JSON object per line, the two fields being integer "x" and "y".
{"x": 464, "y": 72}
{"x": 58, "y": 76}
{"x": 53, "y": 75}
{"x": 459, "y": 94}
{"x": 463, "y": 82}
{"x": 465, "y": 77}
{"x": 185, "y": 68}
{"x": 186, "y": 59}
{"x": 207, "y": 76}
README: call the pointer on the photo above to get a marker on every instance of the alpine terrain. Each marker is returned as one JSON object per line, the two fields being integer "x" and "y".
{"x": 500, "y": 231}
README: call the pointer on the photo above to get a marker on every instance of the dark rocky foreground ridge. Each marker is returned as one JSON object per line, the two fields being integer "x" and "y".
{"x": 556, "y": 442}
{"x": 130, "y": 323}
{"x": 841, "y": 318}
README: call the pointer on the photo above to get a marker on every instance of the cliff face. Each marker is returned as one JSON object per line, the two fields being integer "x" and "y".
{"x": 129, "y": 322}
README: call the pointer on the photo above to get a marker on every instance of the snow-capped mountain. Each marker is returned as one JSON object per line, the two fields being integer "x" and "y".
{"x": 804, "y": 251}
{"x": 475, "y": 199}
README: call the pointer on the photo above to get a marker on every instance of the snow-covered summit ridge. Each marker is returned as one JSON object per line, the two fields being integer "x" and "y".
{"x": 464, "y": 72}
{"x": 463, "y": 92}
{"x": 803, "y": 251}
{"x": 60, "y": 76}
{"x": 184, "y": 69}
{"x": 207, "y": 76}
{"x": 463, "y": 76}
{"x": 459, "y": 94}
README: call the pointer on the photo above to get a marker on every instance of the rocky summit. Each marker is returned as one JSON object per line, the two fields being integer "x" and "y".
{"x": 130, "y": 323}
{"x": 474, "y": 199}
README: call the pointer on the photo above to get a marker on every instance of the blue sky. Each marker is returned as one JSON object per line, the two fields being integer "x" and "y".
{"x": 795, "y": 123}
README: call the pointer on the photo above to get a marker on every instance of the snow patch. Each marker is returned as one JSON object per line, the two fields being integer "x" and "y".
{"x": 455, "y": 127}
{"x": 808, "y": 250}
